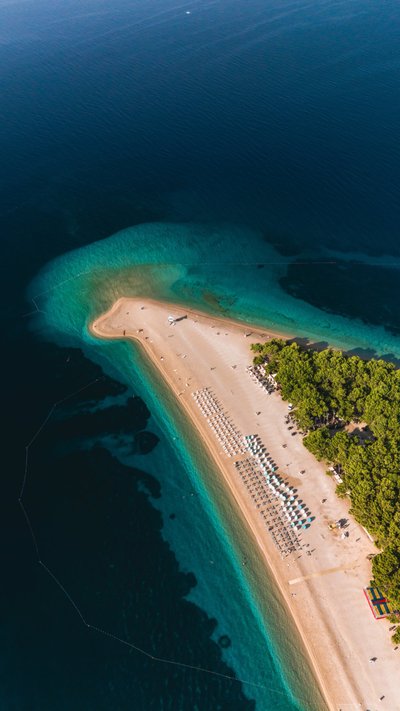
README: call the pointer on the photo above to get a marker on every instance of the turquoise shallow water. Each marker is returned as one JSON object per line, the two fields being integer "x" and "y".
{"x": 204, "y": 531}
{"x": 228, "y": 270}
{"x": 221, "y": 268}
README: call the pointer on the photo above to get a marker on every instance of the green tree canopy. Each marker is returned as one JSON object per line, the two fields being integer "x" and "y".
{"x": 329, "y": 390}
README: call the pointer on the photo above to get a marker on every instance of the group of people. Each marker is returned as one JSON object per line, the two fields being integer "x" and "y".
{"x": 227, "y": 434}
{"x": 258, "y": 374}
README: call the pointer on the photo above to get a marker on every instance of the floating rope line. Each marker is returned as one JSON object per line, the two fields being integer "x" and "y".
{"x": 57, "y": 581}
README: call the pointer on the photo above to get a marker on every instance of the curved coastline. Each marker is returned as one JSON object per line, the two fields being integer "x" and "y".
{"x": 352, "y": 683}
{"x": 246, "y": 524}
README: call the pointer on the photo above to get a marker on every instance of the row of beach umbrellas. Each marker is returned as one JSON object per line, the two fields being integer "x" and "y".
{"x": 294, "y": 510}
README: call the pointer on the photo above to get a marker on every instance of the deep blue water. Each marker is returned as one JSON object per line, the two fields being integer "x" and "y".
{"x": 277, "y": 119}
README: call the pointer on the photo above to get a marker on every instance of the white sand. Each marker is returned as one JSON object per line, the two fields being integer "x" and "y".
{"x": 329, "y": 608}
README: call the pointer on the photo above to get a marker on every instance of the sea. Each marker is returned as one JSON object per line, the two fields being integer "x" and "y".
{"x": 239, "y": 156}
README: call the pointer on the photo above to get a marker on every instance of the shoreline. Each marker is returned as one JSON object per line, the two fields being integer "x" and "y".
{"x": 258, "y": 574}
{"x": 155, "y": 334}
{"x": 211, "y": 452}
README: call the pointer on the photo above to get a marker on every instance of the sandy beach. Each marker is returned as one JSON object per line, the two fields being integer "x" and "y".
{"x": 322, "y": 581}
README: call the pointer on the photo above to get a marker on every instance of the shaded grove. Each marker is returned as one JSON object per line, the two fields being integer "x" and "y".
{"x": 349, "y": 412}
